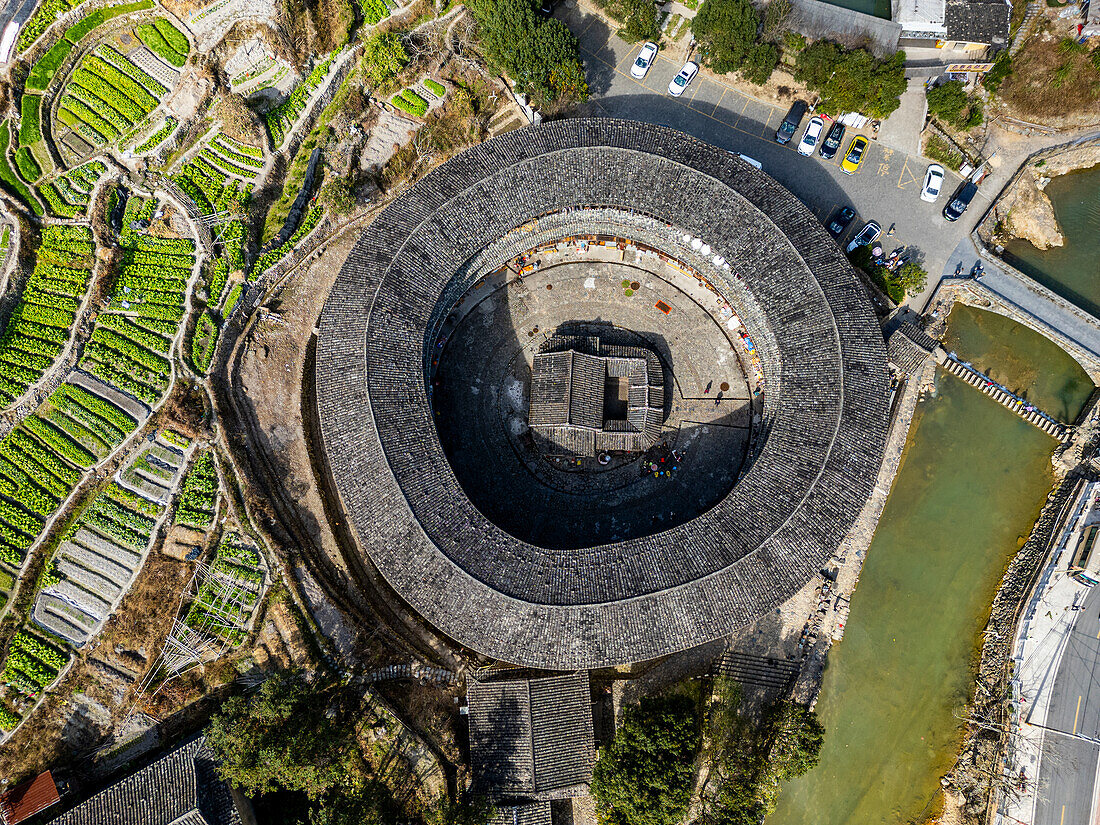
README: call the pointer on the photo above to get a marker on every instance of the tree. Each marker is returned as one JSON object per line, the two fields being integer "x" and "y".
{"x": 384, "y": 56}
{"x": 540, "y": 54}
{"x": 760, "y": 63}
{"x": 776, "y": 19}
{"x": 646, "y": 776}
{"x": 725, "y": 31}
{"x": 638, "y": 19}
{"x": 947, "y": 101}
{"x": 853, "y": 80}
{"x": 912, "y": 276}
{"x": 286, "y": 736}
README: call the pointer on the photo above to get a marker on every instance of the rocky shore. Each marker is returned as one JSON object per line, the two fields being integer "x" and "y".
{"x": 1024, "y": 210}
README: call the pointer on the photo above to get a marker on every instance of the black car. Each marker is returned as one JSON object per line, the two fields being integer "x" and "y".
{"x": 833, "y": 138}
{"x": 960, "y": 200}
{"x": 790, "y": 123}
{"x": 840, "y": 222}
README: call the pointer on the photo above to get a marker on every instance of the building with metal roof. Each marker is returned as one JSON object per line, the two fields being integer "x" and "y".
{"x": 28, "y": 798}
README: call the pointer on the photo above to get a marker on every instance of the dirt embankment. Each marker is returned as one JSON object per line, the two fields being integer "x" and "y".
{"x": 1025, "y": 211}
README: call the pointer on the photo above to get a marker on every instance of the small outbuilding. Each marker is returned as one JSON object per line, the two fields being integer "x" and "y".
{"x": 531, "y": 740}
{"x": 588, "y": 397}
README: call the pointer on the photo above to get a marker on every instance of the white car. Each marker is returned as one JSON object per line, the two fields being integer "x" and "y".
{"x": 810, "y": 136}
{"x": 643, "y": 61}
{"x": 933, "y": 183}
{"x": 677, "y": 85}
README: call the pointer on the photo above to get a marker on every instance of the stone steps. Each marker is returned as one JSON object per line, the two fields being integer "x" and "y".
{"x": 1009, "y": 401}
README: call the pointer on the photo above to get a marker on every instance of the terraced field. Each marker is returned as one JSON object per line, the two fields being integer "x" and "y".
{"x": 42, "y": 321}
{"x": 67, "y": 195}
{"x": 229, "y": 595}
{"x": 103, "y": 550}
{"x": 281, "y": 118}
{"x": 130, "y": 344}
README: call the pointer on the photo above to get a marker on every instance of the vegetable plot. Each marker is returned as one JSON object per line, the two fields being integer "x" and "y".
{"x": 42, "y": 320}
{"x": 130, "y": 345}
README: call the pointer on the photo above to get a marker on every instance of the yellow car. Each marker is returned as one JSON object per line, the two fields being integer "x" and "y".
{"x": 857, "y": 150}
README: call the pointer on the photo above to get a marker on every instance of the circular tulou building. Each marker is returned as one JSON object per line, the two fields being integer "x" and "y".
{"x": 595, "y": 392}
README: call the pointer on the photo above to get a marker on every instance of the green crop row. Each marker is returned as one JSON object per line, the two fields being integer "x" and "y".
{"x": 254, "y": 152}
{"x": 116, "y": 422}
{"x": 48, "y": 654}
{"x": 59, "y": 441}
{"x": 410, "y": 102}
{"x": 282, "y": 116}
{"x": 79, "y": 432}
{"x": 219, "y": 276}
{"x": 231, "y": 300}
{"x": 131, "y": 70}
{"x": 199, "y": 491}
{"x": 80, "y": 30}
{"x": 49, "y": 300}
{"x": 12, "y": 182}
{"x": 153, "y": 38}
{"x": 273, "y": 256}
{"x": 203, "y": 341}
{"x": 45, "y": 13}
{"x": 437, "y": 89}
{"x": 27, "y": 165}
{"x": 158, "y": 137}
{"x": 132, "y": 501}
{"x": 30, "y": 122}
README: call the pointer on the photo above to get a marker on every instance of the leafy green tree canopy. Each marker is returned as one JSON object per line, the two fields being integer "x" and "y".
{"x": 538, "y": 52}
{"x": 725, "y": 31}
{"x": 286, "y": 735}
{"x": 384, "y": 56}
{"x": 646, "y": 776}
{"x": 852, "y": 80}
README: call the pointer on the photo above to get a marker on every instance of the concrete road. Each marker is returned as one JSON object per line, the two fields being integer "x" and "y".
{"x": 18, "y": 10}
{"x": 1069, "y": 765}
{"x": 886, "y": 188}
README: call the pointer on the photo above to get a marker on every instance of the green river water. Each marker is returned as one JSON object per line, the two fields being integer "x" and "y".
{"x": 1073, "y": 270}
{"x": 972, "y": 482}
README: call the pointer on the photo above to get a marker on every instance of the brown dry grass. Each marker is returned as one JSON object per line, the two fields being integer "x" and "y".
{"x": 1051, "y": 79}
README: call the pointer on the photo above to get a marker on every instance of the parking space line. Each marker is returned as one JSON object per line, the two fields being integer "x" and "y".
{"x": 720, "y": 99}
{"x": 904, "y": 169}
{"x": 629, "y": 57}
{"x": 767, "y": 123}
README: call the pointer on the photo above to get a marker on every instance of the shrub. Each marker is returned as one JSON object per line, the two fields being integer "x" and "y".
{"x": 374, "y": 11}
{"x": 637, "y": 18}
{"x": 760, "y": 63}
{"x": 384, "y": 56}
{"x": 939, "y": 149}
{"x": 1002, "y": 68}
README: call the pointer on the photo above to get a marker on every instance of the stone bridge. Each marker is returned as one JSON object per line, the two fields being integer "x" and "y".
{"x": 1007, "y": 291}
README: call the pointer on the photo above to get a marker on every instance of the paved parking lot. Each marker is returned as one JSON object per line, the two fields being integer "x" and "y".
{"x": 886, "y": 188}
